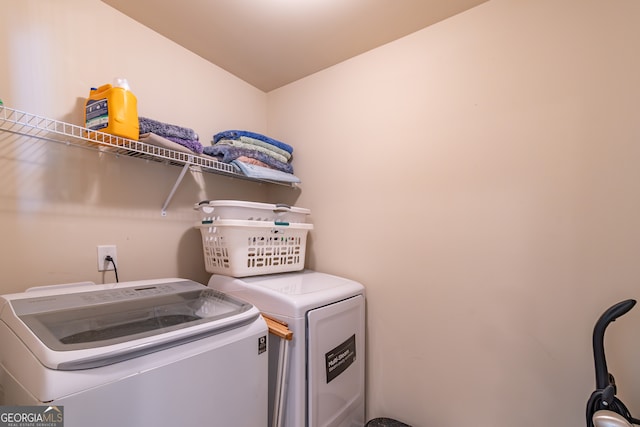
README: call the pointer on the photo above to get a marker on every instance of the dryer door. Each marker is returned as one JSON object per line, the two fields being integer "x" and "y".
{"x": 335, "y": 364}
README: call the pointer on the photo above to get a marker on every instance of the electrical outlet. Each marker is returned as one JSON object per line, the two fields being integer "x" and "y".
{"x": 103, "y": 252}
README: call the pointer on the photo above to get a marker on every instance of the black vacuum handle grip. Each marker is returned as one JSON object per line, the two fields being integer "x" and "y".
{"x": 611, "y": 314}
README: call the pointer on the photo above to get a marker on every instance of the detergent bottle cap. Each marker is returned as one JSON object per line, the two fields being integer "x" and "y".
{"x": 120, "y": 82}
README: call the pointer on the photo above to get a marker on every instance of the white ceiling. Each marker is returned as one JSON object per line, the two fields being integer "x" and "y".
{"x": 270, "y": 43}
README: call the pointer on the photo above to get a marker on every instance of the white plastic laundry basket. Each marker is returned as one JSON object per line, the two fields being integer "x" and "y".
{"x": 241, "y": 248}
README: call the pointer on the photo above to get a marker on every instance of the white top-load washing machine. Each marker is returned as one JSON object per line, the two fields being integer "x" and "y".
{"x": 326, "y": 314}
{"x": 162, "y": 353}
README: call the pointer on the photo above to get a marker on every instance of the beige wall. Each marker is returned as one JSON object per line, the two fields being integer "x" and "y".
{"x": 57, "y": 203}
{"x": 481, "y": 177}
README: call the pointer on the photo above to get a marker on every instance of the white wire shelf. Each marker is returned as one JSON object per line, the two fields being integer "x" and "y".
{"x": 31, "y": 125}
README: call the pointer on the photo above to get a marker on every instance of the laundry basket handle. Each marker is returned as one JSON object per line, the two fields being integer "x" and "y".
{"x": 282, "y": 207}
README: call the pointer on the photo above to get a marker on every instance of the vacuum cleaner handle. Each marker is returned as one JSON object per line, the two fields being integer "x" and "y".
{"x": 602, "y": 374}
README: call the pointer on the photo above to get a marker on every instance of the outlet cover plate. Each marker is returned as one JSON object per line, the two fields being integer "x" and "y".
{"x": 103, "y": 252}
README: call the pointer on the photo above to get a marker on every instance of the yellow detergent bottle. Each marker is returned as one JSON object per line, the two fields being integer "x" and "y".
{"x": 113, "y": 109}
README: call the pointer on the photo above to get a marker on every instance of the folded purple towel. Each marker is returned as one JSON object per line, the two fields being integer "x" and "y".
{"x": 166, "y": 130}
{"x": 194, "y": 146}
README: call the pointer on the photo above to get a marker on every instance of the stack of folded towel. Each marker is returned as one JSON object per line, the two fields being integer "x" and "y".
{"x": 261, "y": 152}
{"x": 169, "y": 136}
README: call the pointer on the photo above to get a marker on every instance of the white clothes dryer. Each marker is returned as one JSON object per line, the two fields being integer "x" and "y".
{"x": 326, "y": 364}
{"x": 163, "y": 353}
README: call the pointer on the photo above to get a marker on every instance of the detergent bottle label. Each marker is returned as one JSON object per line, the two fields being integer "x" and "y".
{"x": 97, "y": 114}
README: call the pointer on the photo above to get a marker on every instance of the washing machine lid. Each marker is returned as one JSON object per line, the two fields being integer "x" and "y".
{"x": 70, "y": 328}
{"x": 289, "y": 294}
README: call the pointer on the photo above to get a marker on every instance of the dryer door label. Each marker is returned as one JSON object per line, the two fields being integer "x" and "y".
{"x": 340, "y": 358}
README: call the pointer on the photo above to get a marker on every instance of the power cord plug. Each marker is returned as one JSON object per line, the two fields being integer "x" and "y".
{"x": 108, "y": 258}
